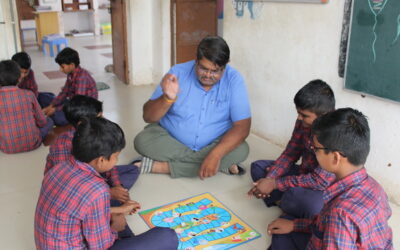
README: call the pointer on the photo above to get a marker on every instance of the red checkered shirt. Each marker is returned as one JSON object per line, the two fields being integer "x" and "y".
{"x": 79, "y": 82}
{"x": 311, "y": 175}
{"x": 60, "y": 151}
{"x": 29, "y": 83}
{"x": 355, "y": 216}
{"x": 73, "y": 210}
{"x": 20, "y": 117}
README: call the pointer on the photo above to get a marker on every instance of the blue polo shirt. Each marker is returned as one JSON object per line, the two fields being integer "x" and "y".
{"x": 198, "y": 117}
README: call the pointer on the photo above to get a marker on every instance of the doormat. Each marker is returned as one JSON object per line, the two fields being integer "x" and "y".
{"x": 102, "y": 86}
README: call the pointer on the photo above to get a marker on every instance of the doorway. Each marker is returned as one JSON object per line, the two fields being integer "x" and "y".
{"x": 191, "y": 21}
{"x": 9, "y": 40}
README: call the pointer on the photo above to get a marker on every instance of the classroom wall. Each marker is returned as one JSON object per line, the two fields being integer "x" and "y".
{"x": 148, "y": 40}
{"x": 284, "y": 46}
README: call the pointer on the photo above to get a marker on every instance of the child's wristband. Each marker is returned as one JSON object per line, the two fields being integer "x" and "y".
{"x": 169, "y": 100}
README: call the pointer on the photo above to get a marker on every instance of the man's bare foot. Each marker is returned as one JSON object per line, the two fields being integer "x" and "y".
{"x": 160, "y": 167}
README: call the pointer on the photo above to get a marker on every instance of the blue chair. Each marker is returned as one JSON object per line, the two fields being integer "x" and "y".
{"x": 51, "y": 40}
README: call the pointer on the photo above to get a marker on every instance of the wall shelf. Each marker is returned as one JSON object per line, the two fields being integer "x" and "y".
{"x": 76, "y": 5}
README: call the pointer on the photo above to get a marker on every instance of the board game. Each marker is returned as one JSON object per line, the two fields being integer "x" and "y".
{"x": 201, "y": 222}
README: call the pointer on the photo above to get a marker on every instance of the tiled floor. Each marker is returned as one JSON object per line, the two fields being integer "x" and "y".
{"x": 21, "y": 174}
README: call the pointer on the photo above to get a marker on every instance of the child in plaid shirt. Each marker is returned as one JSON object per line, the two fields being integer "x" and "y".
{"x": 120, "y": 178}
{"x": 73, "y": 210}
{"x": 298, "y": 188}
{"x": 356, "y": 209}
{"x": 28, "y": 80}
{"x": 23, "y": 124}
{"x": 79, "y": 82}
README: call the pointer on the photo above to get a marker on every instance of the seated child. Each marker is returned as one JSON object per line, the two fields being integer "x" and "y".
{"x": 23, "y": 124}
{"x": 120, "y": 178}
{"x": 28, "y": 79}
{"x": 298, "y": 189}
{"x": 79, "y": 82}
{"x": 73, "y": 210}
{"x": 356, "y": 209}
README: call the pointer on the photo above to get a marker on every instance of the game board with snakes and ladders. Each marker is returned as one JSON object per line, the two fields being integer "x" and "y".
{"x": 201, "y": 222}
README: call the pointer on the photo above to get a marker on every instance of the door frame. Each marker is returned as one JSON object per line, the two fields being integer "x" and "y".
{"x": 11, "y": 28}
{"x": 124, "y": 42}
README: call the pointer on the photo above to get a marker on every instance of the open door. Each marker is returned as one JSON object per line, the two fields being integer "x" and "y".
{"x": 192, "y": 20}
{"x": 119, "y": 40}
{"x": 25, "y": 16}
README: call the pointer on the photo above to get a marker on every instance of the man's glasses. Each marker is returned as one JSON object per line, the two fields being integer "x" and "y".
{"x": 214, "y": 73}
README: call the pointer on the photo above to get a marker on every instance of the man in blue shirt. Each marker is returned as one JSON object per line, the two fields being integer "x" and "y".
{"x": 200, "y": 117}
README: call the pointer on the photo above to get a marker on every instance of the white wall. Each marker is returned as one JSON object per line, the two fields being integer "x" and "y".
{"x": 80, "y": 20}
{"x": 281, "y": 50}
{"x": 148, "y": 40}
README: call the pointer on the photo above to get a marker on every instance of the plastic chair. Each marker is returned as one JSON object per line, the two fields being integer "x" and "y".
{"x": 51, "y": 40}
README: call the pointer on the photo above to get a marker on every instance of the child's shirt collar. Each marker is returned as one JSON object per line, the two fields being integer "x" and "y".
{"x": 344, "y": 184}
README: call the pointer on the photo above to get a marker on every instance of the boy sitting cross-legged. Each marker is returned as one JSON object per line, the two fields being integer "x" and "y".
{"x": 23, "y": 124}
{"x": 120, "y": 178}
{"x": 356, "y": 209}
{"x": 73, "y": 210}
{"x": 297, "y": 188}
{"x": 79, "y": 82}
{"x": 28, "y": 80}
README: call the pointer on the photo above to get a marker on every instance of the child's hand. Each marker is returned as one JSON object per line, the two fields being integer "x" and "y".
{"x": 130, "y": 207}
{"x": 49, "y": 110}
{"x": 262, "y": 188}
{"x": 280, "y": 226}
{"x": 119, "y": 193}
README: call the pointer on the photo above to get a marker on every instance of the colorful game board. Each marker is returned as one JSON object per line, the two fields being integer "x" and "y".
{"x": 201, "y": 222}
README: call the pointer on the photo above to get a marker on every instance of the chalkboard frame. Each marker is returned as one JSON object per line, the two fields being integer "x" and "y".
{"x": 395, "y": 98}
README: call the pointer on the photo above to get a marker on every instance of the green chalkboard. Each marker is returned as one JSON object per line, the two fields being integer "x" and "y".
{"x": 373, "y": 56}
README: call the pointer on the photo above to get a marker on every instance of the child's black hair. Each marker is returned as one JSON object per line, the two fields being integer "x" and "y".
{"x": 23, "y": 60}
{"x": 68, "y": 56}
{"x": 96, "y": 137}
{"x": 316, "y": 96}
{"x": 214, "y": 49}
{"x": 345, "y": 130}
{"x": 81, "y": 106}
{"x": 9, "y": 73}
